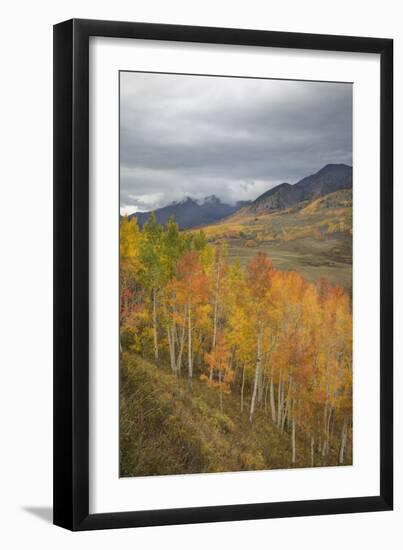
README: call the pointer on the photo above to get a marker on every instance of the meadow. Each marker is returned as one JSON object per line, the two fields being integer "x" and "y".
{"x": 313, "y": 238}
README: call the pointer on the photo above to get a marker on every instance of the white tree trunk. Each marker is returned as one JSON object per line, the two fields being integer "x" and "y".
{"x": 327, "y": 417}
{"x": 261, "y": 383}
{"x": 272, "y": 403}
{"x": 190, "y": 359}
{"x": 171, "y": 345}
{"x": 215, "y": 317}
{"x": 155, "y": 328}
{"x": 257, "y": 374}
{"x": 287, "y": 404}
{"x": 181, "y": 346}
{"x": 284, "y": 418}
{"x": 266, "y": 394}
{"x": 328, "y": 429}
{"x": 279, "y": 390}
{"x": 242, "y": 387}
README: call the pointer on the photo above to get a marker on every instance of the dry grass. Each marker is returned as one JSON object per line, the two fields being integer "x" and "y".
{"x": 164, "y": 429}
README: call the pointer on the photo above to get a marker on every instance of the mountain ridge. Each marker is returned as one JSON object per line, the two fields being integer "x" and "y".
{"x": 191, "y": 212}
{"x": 330, "y": 178}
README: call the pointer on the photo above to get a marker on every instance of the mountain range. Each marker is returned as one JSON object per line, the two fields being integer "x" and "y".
{"x": 192, "y": 212}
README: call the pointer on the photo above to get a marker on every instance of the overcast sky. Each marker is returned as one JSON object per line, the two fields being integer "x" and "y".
{"x": 196, "y": 136}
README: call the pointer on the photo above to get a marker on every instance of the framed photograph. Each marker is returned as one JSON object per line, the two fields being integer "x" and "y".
{"x": 223, "y": 322}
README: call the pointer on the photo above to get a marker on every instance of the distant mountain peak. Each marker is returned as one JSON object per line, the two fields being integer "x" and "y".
{"x": 211, "y": 199}
{"x": 333, "y": 166}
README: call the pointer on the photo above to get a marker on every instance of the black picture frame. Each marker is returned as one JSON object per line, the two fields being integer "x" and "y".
{"x": 71, "y": 274}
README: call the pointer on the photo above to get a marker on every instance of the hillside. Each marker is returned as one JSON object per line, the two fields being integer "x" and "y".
{"x": 313, "y": 237}
{"x": 329, "y": 179}
{"x": 164, "y": 429}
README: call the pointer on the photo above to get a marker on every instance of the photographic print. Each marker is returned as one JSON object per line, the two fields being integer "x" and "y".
{"x": 235, "y": 274}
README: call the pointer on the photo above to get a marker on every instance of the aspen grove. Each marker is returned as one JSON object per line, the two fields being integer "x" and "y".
{"x": 280, "y": 345}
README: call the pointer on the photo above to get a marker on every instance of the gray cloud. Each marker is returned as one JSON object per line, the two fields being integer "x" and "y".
{"x": 186, "y": 135}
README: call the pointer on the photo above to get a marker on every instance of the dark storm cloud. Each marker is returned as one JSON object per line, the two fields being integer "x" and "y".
{"x": 193, "y": 135}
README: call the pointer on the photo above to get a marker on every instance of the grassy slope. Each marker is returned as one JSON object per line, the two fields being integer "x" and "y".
{"x": 313, "y": 238}
{"x": 166, "y": 430}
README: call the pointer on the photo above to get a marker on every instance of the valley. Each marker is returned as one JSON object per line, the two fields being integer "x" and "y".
{"x": 313, "y": 237}
{"x": 304, "y": 227}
